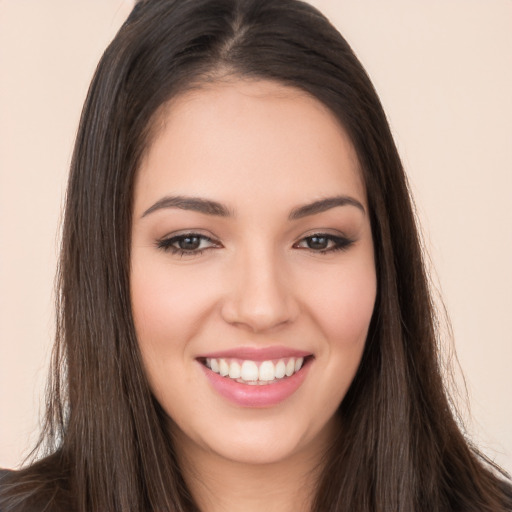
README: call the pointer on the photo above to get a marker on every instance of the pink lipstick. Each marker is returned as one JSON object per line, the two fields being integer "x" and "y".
{"x": 260, "y": 377}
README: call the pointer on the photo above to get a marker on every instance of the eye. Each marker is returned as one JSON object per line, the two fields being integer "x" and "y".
{"x": 324, "y": 243}
{"x": 187, "y": 243}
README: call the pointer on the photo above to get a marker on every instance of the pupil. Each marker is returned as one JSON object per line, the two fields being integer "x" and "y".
{"x": 189, "y": 243}
{"x": 317, "y": 242}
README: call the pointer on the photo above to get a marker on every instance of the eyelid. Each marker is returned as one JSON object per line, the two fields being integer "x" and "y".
{"x": 327, "y": 232}
{"x": 341, "y": 241}
{"x": 166, "y": 243}
{"x": 189, "y": 231}
{"x": 335, "y": 242}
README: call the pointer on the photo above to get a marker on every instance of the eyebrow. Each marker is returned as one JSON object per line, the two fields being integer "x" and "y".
{"x": 323, "y": 205}
{"x": 209, "y": 207}
{"x": 196, "y": 204}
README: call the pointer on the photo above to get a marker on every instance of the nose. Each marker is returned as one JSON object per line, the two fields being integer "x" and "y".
{"x": 260, "y": 296}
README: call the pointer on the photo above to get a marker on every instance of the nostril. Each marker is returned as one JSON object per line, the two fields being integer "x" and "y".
{"x": 258, "y": 318}
{"x": 261, "y": 298}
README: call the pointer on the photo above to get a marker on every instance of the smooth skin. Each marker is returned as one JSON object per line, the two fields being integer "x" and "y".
{"x": 246, "y": 272}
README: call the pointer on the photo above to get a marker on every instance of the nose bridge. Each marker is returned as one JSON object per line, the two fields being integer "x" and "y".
{"x": 260, "y": 296}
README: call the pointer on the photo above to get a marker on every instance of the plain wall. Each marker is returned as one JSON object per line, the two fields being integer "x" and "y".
{"x": 443, "y": 70}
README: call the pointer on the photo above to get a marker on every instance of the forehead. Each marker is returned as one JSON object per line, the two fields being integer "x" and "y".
{"x": 243, "y": 140}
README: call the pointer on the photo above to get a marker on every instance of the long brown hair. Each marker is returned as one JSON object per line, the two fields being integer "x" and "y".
{"x": 107, "y": 446}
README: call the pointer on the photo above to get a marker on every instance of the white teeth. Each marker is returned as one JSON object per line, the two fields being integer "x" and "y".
{"x": 234, "y": 370}
{"x": 267, "y": 371}
{"x": 248, "y": 372}
{"x": 290, "y": 367}
{"x": 280, "y": 370}
{"x": 223, "y": 367}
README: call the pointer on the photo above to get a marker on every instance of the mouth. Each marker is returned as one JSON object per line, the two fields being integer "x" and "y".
{"x": 256, "y": 379}
{"x": 255, "y": 373}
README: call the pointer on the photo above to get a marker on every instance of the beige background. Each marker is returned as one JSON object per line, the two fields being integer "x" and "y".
{"x": 443, "y": 69}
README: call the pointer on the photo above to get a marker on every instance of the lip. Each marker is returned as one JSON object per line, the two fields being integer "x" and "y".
{"x": 246, "y": 395}
{"x": 256, "y": 353}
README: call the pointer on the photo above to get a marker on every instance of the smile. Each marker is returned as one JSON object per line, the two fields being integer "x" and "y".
{"x": 256, "y": 378}
{"x": 255, "y": 372}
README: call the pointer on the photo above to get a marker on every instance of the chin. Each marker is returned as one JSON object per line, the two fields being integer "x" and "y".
{"x": 269, "y": 441}
{"x": 258, "y": 451}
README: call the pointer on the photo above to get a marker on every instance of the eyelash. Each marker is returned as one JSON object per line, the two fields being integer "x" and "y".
{"x": 340, "y": 243}
{"x": 167, "y": 244}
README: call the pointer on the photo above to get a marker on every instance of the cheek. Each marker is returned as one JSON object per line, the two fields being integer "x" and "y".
{"x": 167, "y": 318}
{"x": 343, "y": 313}
{"x": 343, "y": 303}
{"x": 168, "y": 305}
{"x": 351, "y": 309}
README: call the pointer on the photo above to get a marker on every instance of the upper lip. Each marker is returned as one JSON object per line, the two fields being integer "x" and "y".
{"x": 256, "y": 353}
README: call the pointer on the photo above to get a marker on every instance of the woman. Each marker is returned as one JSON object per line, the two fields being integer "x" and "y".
{"x": 245, "y": 319}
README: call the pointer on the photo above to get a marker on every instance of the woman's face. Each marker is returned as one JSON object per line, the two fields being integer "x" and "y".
{"x": 252, "y": 273}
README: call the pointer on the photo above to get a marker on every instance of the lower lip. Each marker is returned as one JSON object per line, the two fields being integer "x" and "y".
{"x": 265, "y": 395}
